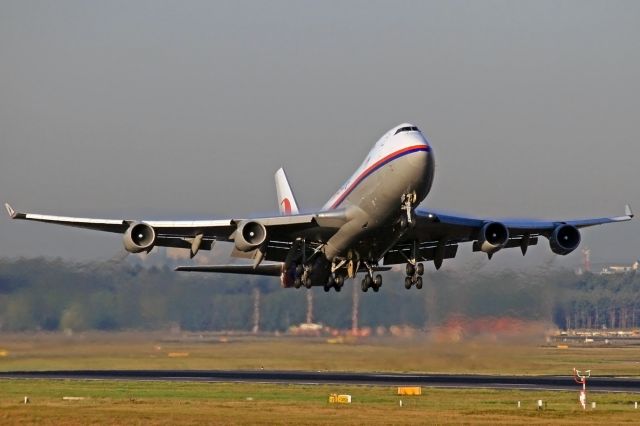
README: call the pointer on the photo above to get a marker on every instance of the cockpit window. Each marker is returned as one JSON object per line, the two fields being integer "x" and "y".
{"x": 406, "y": 129}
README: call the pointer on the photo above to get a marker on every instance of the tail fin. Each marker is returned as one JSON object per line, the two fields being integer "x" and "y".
{"x": 286, "y": 200}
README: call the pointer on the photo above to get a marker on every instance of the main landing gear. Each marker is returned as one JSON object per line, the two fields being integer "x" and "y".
{"x": 308, "y": 277}
{"x": 414, "y": 275}
{"x": 369, "y": 281}
{"x": 336, "y": 282}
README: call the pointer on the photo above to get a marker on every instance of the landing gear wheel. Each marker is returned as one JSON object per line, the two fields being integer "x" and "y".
{"x": 330, "y": 283}
{"x": 307, "y": 283}
{"x": 366, "y": 283}
{"x": 377, "y": 282}
{"x": 338, "y": 282}
{"x": 407, "y": 283}
{"x": 420, "y": 269}
{"x": 375, "y": 288}
{"x": 410, "y": 269}
{"x": 419, "y": 283}
{"x": 297, "y": 283}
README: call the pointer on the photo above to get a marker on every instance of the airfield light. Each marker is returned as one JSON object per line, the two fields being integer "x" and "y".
{"x": 581, "y": 379}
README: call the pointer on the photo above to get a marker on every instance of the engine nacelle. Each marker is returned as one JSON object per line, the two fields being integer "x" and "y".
{"x": 564, "y": 239}
{"x": 492, "y": 237}
{"x": 139, "y": 237}
{"x": 250, "y": 235}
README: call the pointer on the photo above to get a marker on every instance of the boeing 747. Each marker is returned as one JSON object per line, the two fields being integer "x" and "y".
{"x": 370, "y": 223}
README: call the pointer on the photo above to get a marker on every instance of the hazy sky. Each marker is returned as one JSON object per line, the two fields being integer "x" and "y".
{"x": 153, "y": 109}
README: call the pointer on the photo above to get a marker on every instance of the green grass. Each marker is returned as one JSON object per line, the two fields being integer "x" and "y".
{"x": 196, "y": 403}
{"x": 118, "y": 402}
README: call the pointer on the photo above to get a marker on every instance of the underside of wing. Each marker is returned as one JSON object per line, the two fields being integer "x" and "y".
{"x": 435, "y": 236}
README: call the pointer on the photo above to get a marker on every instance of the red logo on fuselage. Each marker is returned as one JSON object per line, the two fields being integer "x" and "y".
{"x": 286, "y": 205}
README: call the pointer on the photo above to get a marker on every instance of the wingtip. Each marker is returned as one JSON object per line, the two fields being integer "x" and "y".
{"x": 10, "y": 210}
{"x": 628, "y": 211}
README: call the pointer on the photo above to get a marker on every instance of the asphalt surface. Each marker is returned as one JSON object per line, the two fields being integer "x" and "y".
{"x": 602, "y": 384}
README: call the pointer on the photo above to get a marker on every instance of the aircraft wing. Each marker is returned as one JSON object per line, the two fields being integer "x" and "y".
{"x": 186, "y": 234}
{"x": 440, "y": 233}
{"x": 433, "y": 221}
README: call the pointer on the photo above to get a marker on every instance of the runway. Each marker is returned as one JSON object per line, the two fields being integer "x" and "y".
{"x": 601, "y": 384}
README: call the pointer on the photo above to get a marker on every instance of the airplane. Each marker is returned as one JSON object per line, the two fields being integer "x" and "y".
{"x": 369, "y": 224}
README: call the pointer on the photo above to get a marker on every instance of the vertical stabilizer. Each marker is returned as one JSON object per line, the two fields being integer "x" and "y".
{"x": 286, "y": 200}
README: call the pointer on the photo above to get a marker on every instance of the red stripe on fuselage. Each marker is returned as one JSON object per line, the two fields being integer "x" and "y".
{"x": 376, "y": 165}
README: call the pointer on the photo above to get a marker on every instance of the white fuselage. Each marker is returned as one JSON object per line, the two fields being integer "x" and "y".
{"x": 400, "y": 165}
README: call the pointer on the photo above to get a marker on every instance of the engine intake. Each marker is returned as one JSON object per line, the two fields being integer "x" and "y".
{"x": 492, "y": 237}
{"x": 139, "y": 237}
{"x": 564, "y": 239}
{"x": 250, "y": 235}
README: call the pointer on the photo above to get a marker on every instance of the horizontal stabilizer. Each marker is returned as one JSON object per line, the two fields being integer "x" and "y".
{"x": 273, "y": 269}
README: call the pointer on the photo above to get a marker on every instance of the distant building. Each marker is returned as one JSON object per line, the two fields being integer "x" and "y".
{"x": 620, "y": 269}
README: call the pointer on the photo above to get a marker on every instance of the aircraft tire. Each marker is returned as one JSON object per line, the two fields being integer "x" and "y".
{"x": 364, "y": 285}
{"x": 307, "y": 283}
{"x": 419, "y": 283}
{"x": 407, "y": 283}
{"x": 377, "y": 281}
{"x": 420, "y": 269}
{"x": 410, "y": 269}
{"x": 297, "y": 283}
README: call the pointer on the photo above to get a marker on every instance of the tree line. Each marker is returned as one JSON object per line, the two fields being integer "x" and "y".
{"x": 51, "y": 294}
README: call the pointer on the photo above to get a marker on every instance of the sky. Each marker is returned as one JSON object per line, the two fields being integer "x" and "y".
{"x": 182, "y": 110}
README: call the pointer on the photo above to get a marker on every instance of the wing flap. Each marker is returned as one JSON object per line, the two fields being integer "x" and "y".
{"x": 402, "y": 253}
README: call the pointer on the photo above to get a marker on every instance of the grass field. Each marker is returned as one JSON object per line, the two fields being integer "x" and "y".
{"x": 117, "y": 402}
{"x": 197, "y": 403}
{"x": 153, "y": 350}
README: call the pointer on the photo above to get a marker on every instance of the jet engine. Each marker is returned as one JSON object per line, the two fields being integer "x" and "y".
{"x": 139, "y": 237}
{"x": 492, "y": 237}
{"x": 564, "y": 239}
{"x": 250, "y": 235}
